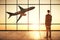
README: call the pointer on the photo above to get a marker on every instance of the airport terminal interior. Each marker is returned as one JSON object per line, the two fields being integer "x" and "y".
{"x": 32, "y": 25}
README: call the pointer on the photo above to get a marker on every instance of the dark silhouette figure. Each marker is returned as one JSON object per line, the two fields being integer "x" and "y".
{"x": 48, "y": 20}
{"x": 21, "y": 12}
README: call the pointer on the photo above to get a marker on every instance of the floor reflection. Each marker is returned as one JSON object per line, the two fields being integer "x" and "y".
{"x": 28, "y": 35}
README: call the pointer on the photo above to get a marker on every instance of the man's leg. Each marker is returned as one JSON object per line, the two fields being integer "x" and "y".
{"x": 47, "y": 32}
{"x": 50, "y": 32}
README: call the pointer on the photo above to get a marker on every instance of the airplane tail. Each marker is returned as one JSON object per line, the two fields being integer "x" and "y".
{"x": 10, "y": 14}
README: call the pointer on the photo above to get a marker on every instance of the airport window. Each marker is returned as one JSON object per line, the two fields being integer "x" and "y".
{"x": 34, "y": 19}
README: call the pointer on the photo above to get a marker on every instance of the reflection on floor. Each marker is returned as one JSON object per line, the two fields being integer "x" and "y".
{"x": 27, "y": 35}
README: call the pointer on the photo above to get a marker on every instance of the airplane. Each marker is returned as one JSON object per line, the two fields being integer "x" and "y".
{"x": 21, "y": 12}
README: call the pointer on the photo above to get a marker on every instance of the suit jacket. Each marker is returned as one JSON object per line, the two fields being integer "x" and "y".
{"x": 48, "y": 20}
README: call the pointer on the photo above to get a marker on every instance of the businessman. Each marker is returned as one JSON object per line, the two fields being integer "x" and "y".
{"x": 48, "y": 20}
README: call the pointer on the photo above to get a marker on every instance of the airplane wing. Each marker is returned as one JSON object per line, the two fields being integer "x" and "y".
{"x": 21, "y": 8}
{"x": 18, "y": 18}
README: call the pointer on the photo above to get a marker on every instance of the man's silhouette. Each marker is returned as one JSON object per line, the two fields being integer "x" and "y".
{"x": 48, "y": 20}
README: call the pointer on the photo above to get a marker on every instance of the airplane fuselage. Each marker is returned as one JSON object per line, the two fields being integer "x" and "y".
{"x": 22, "y": 12}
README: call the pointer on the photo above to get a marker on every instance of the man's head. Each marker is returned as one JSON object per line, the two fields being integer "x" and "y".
{"x": 48, "y": 11}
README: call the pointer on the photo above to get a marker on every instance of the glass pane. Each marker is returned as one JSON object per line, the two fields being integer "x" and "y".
{"x": 42, "y": 27}
{"x": 34, "y": 27}
{"x": 11, "y": 27}
{"x": 24, "y": 19}
{"x": 33, "y": 1}
{"x": 22, "y": 1}
{"x": 55, "y": 27}
{"x": 11, "y": 1}
{"x": 2, "y": 1}
{"x": 44, "y": 1}
{"x": 2, "y": 27}
{"x": 12, "y": 9}
{"x": 34, "y": 14}
{"x": 2, "y": 13}
{"x": 55, "y": 1}
{"x": 55, "y": 11}
{"x": 22, "y": 27}
{"x": 43, "y": 12}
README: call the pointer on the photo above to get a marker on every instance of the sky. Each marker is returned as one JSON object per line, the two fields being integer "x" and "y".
{"x": 35, "y": 16}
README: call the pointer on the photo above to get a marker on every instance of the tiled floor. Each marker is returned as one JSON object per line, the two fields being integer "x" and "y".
{"x": 27, "y": 35}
